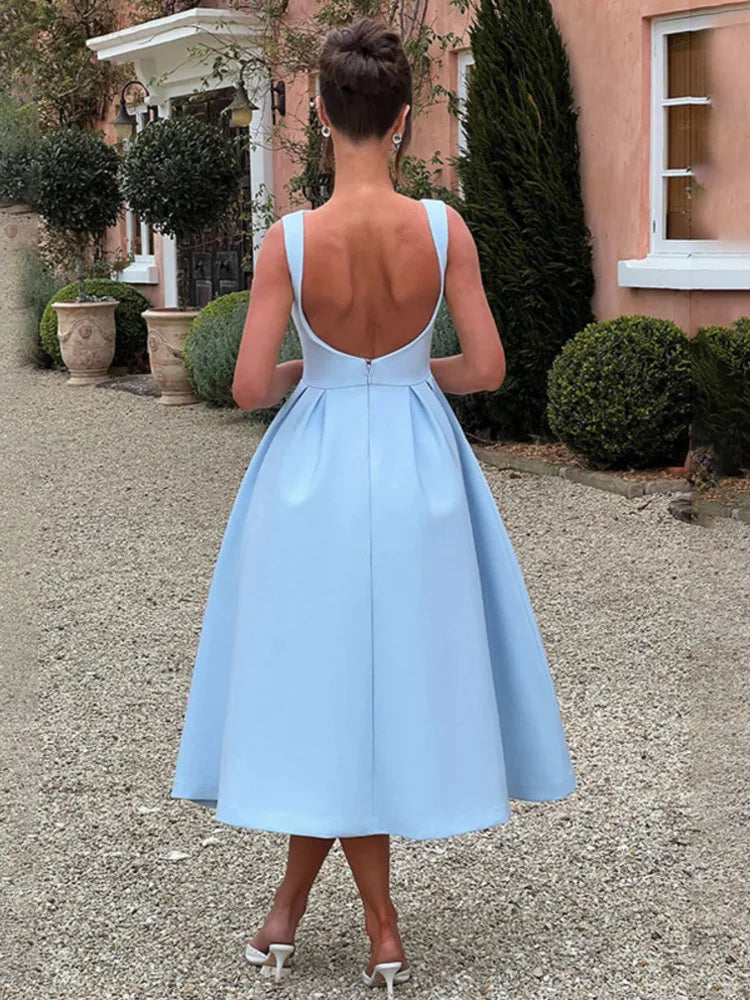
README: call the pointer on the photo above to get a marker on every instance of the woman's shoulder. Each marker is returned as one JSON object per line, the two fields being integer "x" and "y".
{"x": 407, "y": 199}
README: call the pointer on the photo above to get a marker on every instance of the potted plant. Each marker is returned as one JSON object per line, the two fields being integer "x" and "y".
{"x": 179, "y": 175}
{"x": 78, "y": 196}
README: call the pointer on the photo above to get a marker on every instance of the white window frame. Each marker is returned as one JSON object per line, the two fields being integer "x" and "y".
{"x": 465, "y": 60}
{"x": 681, "y": 264}
{"x": 143, "y": 269}
{"x": 660, "y": 104}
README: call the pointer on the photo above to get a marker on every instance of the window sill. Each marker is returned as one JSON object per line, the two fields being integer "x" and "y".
{"x": 141, "y": 272}
{"x": 689, "y": 272}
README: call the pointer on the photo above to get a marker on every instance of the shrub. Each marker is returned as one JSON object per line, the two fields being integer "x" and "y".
{"x": 720, "y": 365}
{"x": 212, "y": 347}
{"x": 130, "y": 327}
{"x": 445, "y": 340}
{"x": 19, "y": 149}
{"x": 522, "y": 192}
{"x": 78, "y": 189}
{"x": 179, "y": 175}
{"x": 619, "y": 392}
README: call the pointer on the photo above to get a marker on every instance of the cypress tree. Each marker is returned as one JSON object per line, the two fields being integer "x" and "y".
{"x": 522, "y": 200}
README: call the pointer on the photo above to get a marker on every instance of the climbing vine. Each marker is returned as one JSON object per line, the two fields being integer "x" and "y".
{"x": 44, "y": 57}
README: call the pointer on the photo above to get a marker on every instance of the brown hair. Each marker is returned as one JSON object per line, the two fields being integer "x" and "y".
{"x": 365, "y": 80}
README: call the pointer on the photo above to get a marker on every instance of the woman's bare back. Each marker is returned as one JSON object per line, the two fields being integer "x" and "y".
{"x": 370, "y": 284}
{"x": 371, "y": 275}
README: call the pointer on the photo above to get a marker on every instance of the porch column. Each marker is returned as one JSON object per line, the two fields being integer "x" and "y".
{"x": 261, "y": 153}
{"x": 168, "y": 243}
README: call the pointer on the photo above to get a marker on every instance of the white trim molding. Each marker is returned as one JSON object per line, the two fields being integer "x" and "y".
{"x": 681, "y": 264}
{"x": 141, "y": 271}
{"x": 687, "y": 272}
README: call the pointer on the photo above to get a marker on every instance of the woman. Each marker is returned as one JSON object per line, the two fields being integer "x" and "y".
{"x": 369, "y": 662}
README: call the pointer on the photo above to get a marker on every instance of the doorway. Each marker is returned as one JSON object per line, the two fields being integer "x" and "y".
{"x": 219, "y": 260}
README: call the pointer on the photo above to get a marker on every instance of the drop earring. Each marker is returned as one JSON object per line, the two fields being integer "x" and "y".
{"x": 326, "y": 130}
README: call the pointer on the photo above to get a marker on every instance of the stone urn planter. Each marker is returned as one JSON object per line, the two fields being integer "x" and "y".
{"x": 86, "y": 331}
{"x": 167, "y": 330}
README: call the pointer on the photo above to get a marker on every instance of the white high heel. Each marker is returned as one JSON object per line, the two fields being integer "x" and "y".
{"x": 274, "y": 961}
{"x": 390, "y": 974}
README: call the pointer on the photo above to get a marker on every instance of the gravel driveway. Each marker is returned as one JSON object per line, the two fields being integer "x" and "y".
{"x": 634, "y": 888}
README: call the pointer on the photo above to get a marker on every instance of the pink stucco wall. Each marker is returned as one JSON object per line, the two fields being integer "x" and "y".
{"x": 608, "y": 43}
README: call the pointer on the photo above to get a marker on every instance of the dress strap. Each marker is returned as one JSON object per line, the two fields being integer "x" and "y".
{"x": 438, "y": 216}
{"x": 294, "y": 244}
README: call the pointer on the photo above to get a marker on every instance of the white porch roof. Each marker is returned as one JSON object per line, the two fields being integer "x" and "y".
{"x": 162, "y": 50}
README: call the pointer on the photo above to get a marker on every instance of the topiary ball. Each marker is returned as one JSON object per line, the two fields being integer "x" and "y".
{"x": 213, "y": 345}
{"x": 620, "y": 392}
{"x": 720, "y": 359}
{"x": 180, "y": 175}
{"x": 78, "y": 189}
{"x": 130, "y": 326}
{"x": 733, "y": 343}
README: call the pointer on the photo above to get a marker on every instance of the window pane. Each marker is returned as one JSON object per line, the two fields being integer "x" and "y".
{"x": 687, "y": 131}
{"x": 686, "y": 210}
{"x": 687, "y": 64}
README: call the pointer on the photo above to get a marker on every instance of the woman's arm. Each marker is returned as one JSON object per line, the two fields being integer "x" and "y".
{"x": 481, "y": 365}
{"x": 258, "y": 380}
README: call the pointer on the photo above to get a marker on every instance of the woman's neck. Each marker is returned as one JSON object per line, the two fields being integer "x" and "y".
{"x": 360, "y": 169}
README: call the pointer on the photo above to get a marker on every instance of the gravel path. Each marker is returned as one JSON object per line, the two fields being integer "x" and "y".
{"x": 631, "y": 889}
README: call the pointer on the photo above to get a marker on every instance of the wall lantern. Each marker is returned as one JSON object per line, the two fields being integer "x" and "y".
{"x": 241, "y": 109}
{"x": 125, "y": 124}
{"x": 278, "y": 97}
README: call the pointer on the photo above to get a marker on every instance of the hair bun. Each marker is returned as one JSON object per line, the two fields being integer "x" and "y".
{"x": 365, "y": 56}
{"x": 357, "y": 71}
{"x": 365, "y": 77}
{"x": 361, "y": 42}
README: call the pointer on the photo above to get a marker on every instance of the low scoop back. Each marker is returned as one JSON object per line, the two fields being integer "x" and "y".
{"x": 315, "y": 348}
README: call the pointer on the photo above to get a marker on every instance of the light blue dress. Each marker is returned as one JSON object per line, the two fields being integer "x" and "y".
{"x": 369, "y": 660}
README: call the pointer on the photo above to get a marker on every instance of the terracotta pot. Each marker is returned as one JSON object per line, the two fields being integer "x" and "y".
{"x": 167, "y": 330}
{"x": 86, "y": 331}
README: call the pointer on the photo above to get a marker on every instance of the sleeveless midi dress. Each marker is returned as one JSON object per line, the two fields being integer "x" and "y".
{"x": 369, "y": 660}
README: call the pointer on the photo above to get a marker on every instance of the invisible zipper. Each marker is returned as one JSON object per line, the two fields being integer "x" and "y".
{"x": 368, "y": 368}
